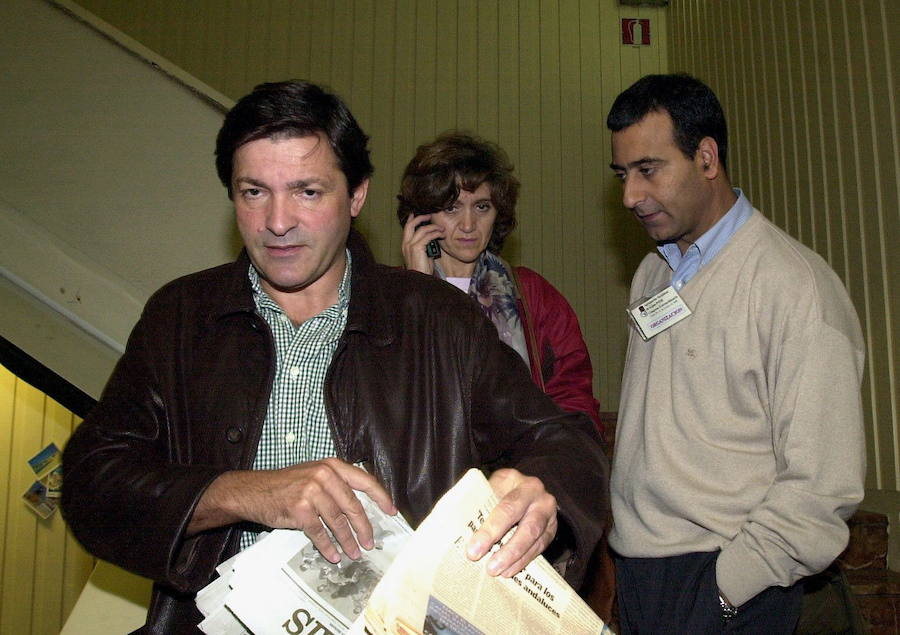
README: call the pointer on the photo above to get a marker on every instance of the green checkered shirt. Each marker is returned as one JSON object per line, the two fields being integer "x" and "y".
{"x": 296, "y": 427}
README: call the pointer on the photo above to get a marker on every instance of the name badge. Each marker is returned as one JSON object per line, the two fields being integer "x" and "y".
{"x": 658, "y": 311}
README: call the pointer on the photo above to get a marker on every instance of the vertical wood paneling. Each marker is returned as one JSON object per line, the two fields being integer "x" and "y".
{"x": 807, "y": 189}
{"x": 42, "y": 568}
{"x": 275, "y": 40}
{"x": 468, "y": 72}
{"x": 508, "y": 86}
{"x": 50, "y": 538}
{"x": 886, "y": 110}
{"x": 7, "y": 399}
{"x": 550, "y": 175}
{"x": 814, "y": 143}
{"x": 529, "y": 235}
{"x": 386, "y": 236}
{"x": 568, "y": 219}
{"x": 446, "y": 70}
{"x": 755, "y": 132}
{"x": 789, "y": 31}
{"x": 487, "y": 96}
{"x": 363, "y": 55}
{"x": 425, "y": 63}
{"x": 21, "y": 524}
{"x": 591, "y": 153}
{"x": 609, "y": 229}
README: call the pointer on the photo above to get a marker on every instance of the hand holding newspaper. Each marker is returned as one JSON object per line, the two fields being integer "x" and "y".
{"x": 412, "y": 583}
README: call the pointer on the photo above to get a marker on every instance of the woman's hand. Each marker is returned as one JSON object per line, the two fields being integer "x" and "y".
{"x": 418, "y": 232}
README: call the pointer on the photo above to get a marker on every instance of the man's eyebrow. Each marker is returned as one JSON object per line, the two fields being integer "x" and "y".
{"x": 302, "y": 184}
{"x": 249, "y": 181}
{"x": 293, "y": 185}
{"x": 636, "y": 164}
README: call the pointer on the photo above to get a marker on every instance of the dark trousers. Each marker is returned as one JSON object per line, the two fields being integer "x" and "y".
{"x": 679, "y": 594}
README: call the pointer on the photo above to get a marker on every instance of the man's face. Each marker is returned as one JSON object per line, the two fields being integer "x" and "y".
{"x": 668, "y": 193}
{"x": 293, "y": 211}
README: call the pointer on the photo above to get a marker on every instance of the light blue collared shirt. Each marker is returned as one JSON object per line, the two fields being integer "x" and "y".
{"x": 685, "y": 266}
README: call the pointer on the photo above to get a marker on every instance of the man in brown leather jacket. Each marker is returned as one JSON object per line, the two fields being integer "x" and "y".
{"x": 198, "y": 440}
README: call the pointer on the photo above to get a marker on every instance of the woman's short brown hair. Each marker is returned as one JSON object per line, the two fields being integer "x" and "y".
{"x": 453, "y": 161}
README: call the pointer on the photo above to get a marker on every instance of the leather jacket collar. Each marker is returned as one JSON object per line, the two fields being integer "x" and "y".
{"x": 368, "y": 313}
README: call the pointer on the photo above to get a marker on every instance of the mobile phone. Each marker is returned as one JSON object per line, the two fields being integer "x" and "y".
{"x": 432, "y": 249}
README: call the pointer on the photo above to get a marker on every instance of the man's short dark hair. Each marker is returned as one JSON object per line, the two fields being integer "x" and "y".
{"x": 293, "y": 109}
{"x": 457, "y": 160}
{"x": 692, "y": 105}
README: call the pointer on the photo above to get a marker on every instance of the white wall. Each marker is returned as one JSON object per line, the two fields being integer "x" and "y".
{"x": 107, "y": 189}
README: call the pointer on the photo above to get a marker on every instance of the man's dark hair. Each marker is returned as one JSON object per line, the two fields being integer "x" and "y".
{"x": 692, "y": 105}
{"x": 457, "y": 160}
{"x": 293, "y": 109}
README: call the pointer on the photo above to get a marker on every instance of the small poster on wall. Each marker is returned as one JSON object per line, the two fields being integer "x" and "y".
{"x": 43, "y": 495}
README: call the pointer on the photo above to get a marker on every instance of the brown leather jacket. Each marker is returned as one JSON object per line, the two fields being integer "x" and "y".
{"x": 419, "y": 389}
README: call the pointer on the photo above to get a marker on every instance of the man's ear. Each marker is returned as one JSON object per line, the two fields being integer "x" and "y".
{"x": 707, "y": 156}
{"x": 358, "y": 198}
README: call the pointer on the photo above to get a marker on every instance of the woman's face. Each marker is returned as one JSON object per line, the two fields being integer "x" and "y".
{"x": 467, "y": 230}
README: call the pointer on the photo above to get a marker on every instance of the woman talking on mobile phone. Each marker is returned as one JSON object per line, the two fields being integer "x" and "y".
{"x": 457, "y": 205}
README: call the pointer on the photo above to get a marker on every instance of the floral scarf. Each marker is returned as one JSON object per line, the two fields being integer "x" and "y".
{"x": 493, "y": 288}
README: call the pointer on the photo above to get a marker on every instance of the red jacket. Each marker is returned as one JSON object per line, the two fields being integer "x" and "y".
{"x": 562, "y": 365}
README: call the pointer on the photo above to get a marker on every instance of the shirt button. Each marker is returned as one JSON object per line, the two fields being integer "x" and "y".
{"x": 290, "y": 437}
{"x": 294, "y": 372}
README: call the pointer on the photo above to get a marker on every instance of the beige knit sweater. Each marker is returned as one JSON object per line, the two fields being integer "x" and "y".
{"x": 740, "y": 427}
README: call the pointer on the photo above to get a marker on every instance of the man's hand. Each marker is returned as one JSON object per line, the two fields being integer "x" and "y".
{"x": 308, "y": 496}
{"x": 523, "y": 501}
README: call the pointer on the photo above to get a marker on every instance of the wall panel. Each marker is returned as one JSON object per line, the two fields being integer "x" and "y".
{"x": 42, "y": 568}
{"x": 810, "y": 92}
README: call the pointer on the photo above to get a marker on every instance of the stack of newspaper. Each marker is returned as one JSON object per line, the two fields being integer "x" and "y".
{"x": 411, "y": 583}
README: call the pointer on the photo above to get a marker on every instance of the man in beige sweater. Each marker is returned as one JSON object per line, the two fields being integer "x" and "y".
{"x": 740, "y": 446}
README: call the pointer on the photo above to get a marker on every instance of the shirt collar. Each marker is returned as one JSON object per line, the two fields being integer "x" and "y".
{"x": 264, "y": 300}
{"x": 710, "y": 243}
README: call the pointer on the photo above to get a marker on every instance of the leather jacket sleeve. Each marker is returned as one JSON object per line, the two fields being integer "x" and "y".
{"x": 137, "y": 466}
{"x": 562, "y": 449}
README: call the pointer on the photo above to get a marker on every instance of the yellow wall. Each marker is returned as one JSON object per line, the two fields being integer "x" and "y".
{"x": 810, "y": 90}
{"x": 535, "y": 76}
{"x": 42, "y": 568}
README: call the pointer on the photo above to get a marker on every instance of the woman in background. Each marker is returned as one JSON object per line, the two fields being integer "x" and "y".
{"x": 459, "y": 191}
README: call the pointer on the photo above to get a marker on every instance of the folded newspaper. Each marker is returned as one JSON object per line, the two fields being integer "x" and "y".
{"x": 411, "y": 583}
